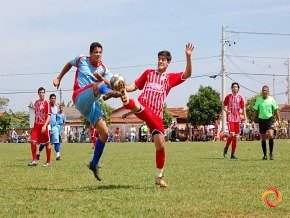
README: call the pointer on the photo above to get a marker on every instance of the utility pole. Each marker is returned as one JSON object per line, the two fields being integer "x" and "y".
{"x": 288, "y": 79}
{"x": 223, "y": 72}
{"x": 60, "y": 96}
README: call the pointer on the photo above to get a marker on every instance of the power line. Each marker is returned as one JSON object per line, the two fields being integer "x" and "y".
{"x": 258, "y": 33}
{"x": 32, "y": 91}
{"x": 113, "y": 68}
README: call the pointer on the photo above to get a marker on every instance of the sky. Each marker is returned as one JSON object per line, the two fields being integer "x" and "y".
{"x": 38, "y": 37}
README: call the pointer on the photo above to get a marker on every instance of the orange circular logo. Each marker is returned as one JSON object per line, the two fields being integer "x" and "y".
{"x": 278, "y": 195}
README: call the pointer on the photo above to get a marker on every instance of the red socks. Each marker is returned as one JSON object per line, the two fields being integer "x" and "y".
{"x": 33, "y": 151}
{"x": 160, "y": 158}
{"x": 234, "y": 145}
{"x": 229, "y": 140}
{"x": 48, "y": 154}
{"x": 130, "y": 105}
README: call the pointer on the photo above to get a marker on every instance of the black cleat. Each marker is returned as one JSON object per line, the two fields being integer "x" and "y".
{"x": 95, "y": 171}
{"x": 225, "y": 152}
{"x": 233, "y": 156}
{"x": 264, "y": 158}
{"x": 37, "y": 156}
{"x": 271, "y": 157}
{"x": 33, "y": 163}
{"x": 58, "y": 158}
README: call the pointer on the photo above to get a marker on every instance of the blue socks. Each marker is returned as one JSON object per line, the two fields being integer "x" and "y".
{"x": 103, "y": 89}
{"x": 97, "y": 152}
{"x": 57, "y": 147}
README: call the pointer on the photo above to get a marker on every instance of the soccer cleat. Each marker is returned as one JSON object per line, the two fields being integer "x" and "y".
{"x": 58, "y": 158}
{"x": 112, "y": 94}
{"x": 225, "y": 152}
{"x": 264, "y": 158}
{"x": 95, "y": 171}
{"x": 271, "y": 156}
{"x": 37, "y": 156}
{"x": 233, "y": 156}
{"x": 33, "y": 163}
{"x": 122, "y": 88}
{"x": 160, "y": 181}
{"x": 46, "y": 165}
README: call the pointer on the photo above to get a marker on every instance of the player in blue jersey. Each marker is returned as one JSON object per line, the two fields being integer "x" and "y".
{"x": 53, "y": 129}
{"x": 91, "y": 81}
{"x": 60, "y": 120}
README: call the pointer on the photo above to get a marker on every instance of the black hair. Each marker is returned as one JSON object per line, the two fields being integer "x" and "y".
{"x": 41, "y": 89}
{"x": 165, "y": 54}
{"x": 235, "y": 83}
{"x": 95, "y": 44}
{"x": 52, "y": 95}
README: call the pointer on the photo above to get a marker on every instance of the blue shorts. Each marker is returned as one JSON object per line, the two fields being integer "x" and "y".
{"x": 86, "y": 104}
{"x": 54, "y": 137}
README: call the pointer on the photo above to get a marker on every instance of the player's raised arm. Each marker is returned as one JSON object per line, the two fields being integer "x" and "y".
{"x": 65, "y": 69}
{"x": 188, "y": 51}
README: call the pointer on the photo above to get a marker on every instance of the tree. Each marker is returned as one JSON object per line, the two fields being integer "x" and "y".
{"x": 167, "y": 118}
{"x": 19, "y": 120}
{"x": 3, "y": 103}
{"x": 205, "y": 106}
{"x": 250, "y": 107}
{"x": 5, "y": 121}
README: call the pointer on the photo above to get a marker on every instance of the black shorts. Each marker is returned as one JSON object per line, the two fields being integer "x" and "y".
{"x": 266, "y": 124}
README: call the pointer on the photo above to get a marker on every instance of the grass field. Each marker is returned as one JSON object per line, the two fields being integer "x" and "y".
{"x": 201, "y": 182}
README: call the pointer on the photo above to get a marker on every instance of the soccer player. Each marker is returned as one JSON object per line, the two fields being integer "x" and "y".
{"x": 40, "y": 133}
{"x": 265, "y": 111}
{"x": 53, "y": 130}
{"x": 155, "y": 85}
{"x": 233, "y": 105}
{"x": 91, "y": 80}
{"x": 60, "y": 120}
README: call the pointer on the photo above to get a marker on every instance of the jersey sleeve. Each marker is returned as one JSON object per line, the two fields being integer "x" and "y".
{"x": 175, "y": 79}
{"x": 140, "y": 82}
{"x": 226, "y": 100}
{"x": 74, "y": 62}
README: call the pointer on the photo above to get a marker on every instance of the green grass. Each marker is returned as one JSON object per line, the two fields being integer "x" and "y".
{"x": 201, "y": 182}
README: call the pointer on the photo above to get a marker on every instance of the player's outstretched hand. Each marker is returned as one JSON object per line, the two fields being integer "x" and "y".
{"x": 56, "y": 82}
{"x": 188, "y": 49}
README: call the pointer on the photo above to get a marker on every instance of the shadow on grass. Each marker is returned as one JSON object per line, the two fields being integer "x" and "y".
{"x": 85, "y": 188}
{"x": 229, "y": 159}
{"x": 211, "y": 158}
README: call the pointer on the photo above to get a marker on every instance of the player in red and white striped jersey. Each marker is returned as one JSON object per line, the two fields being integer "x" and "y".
{"x": 40, "y": 133}
{"x": 234, "y": 104}
{"x": 155, "y": 85}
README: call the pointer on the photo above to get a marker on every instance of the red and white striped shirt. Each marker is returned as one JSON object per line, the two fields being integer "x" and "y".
{"x": 41, "y": 109}
{"x": 155, "y": 87}
{"x": 234, "y": 104}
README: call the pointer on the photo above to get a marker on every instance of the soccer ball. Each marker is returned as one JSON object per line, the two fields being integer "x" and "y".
{"x": 114, "y": 81}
